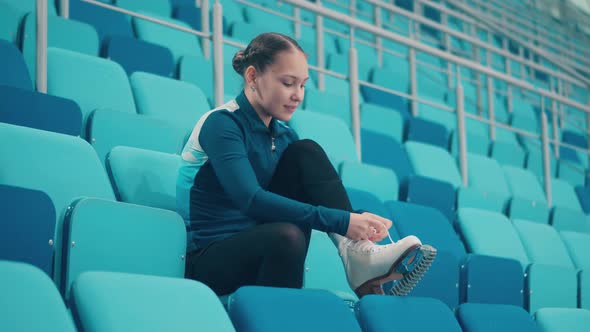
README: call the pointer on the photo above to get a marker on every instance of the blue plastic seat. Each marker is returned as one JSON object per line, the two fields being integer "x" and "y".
{"x": 198, "y": 71}
{"x": 520, "y": 208}
{"x": 144, "y": 177}
{"x": 550, "y": 286}
{"x": 562, "y": 319}
{"x": 564, "y": 219}
{"x": 475, "y": 198}
{"x": 493, "y": 280}
{"x": 61, "y": 33}
{"x": 137, "y": 55}
{"x": 27, "y": 227}
{"x": 486, "y": 176}
{"x": 105, "y": 237}
{"x": 583, "y": 194}
{"x": 494, "y": 317}
{"x": 152, "y": 303}
{"x": 9, "y": 23}
{"x": 564, "y": 195}
{"x": 382, "y": 150}
{"x": 382, "y": 120}
{"x": 508, "y": 154}
{"x": 106, "y": 22}
{"x": 13, "y": 67}
{"x": 30, "y": 301}
{"x": 328, "y": 103}
{"x": 430, "y": 192}
{"x": 40, "y": 111}
{"x": 264, "y": 309}
{"x": 584, "y": 290}
{"x": 433, "y": 162}
{"x": 578, "y": 245}
{"x": 380, "y": 181}
{"x": 178, "y": 103}
{"x": 72, "y": 163}
{"x": 158, "y": 7}
{"x": 68, "y": 76}
{"x": 523, "y": 184}
{"x": 542, "y": 244}
{"x": 375, "y": 314}
{"x": 420, "y": 130}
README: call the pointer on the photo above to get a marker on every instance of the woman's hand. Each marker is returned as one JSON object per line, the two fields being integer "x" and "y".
{"x": 367, "y": 226}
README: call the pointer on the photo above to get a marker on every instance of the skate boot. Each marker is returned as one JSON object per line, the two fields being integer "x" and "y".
{"x": 368, "y": 265}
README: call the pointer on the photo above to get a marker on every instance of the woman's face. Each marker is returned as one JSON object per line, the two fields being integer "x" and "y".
{"x": 280, "y": 89}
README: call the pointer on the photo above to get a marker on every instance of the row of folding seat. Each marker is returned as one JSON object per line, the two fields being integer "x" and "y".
{"x": 159, "y": 303}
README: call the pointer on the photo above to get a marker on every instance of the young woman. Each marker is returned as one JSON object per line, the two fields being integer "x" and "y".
{"x": 251, "y": 191}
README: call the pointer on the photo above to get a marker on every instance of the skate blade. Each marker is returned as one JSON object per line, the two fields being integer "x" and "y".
{"x": 414, "y": 272}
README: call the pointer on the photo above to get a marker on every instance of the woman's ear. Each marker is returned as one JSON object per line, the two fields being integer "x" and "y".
{"x": 250, "y": 75}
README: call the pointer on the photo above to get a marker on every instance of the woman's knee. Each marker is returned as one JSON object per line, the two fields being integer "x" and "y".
{"x": 305, "y": 148}
{"x": 288, "y": 238}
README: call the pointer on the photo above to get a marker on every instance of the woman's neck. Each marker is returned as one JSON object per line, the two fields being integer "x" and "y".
{"x": 253, "y": 97}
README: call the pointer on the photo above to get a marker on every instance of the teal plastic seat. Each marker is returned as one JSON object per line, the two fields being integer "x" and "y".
{"x": 120, "y": 237}
{"x": 198, "y": 71}
{"x": 485, "y": 175}
{"x": 27, "y": 6}
{"x": 233, "y": 83}
{"x": 433, "y": 162}
{"x": 179, "y": 103}
{"x": 379, "y": 181}
{"x": 397, "y": 78}
{"x": 383, "y": 121}
{"x": 144, "y": 177}
{"x": 70, "y": 170}
{"x": 578, "y": 245}
{"x": 324, "y": 269}
{"x": 262, "y": 18}
{"x": 151, "y": 303}
{"x": 158, "y": 7}
{"x": 563, "y": 319}
{"x": 108, "y": 129}
{"x": 30, "y": 301}
{"x": 520, "y": 208}
{"x": 523, "y": 184}
{"x": 508, "y": 154}
{"x": 564, "y": 195}
{"x": 329, "y": 132}
{"x": 563, "y": 219}
{"x": 330, "y": 104}
{"x": 9, "y": 22}
{"x": 534, "y": 163}
{"x": 61, "y": 33}
{"x": 550, "y": 286}
{"x": 440, "y": 116}
{"x": 584, "y": 290}
{"x": 179, "y": 42}
{"x": 571, "y": 173}
{"x": 490, "y": 233}
{"x": 92, "y": 82}
{"x": 474, "y": 198}
{"x": 542, "y": 244}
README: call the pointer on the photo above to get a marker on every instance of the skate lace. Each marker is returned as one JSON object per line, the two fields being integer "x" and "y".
{"x": 368, "y": 247}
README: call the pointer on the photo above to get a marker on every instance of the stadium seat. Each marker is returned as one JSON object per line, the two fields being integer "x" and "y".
{"x": 13, "y": 67}
{"x": 40, "y": 111}
{"x": 328, "y": 103}
{"x": 433, "y": 162}
{"x": 158, "y": 7}
{"x": 107, "y": 129}
{"x": 61, "y": 33}
{"x": 564, "y": 195}
{"x": 180, "y": 43}
{"x": 481, "y": 231}
{"x": 578, "y": 245}
{"x": 486, "y": 176}
{"x": 474, "y": 198}
{"x": 508, "y": 154}
{"x": 151, "y": 302}
{"x": 91, "y": 82}
{"x": 198, "y": 71}
{"x": 550, "y": 286}
{"x": 583, "y": 194}
{"x": 523, "y": 184}
{"x": 529, "y": 210}
{"x": 375, "y": 313}
{"x": 71, "y": 169}
{"x": 562, "y": 319}
{"x": 176, "y": 102}
{"x": 27, "y": 225}
{"x": 9, "y": 23}
{"x": 329, "y": 132}
{"x": 493, "y": 280}
{"x": 424, "y": 131}
{"x": 106, "y": 22}
{"x": 494, "y": 317}
{"x": 144, "y": 177}
{"x": 383, "y": 121}
{"x": 137, "y": 55}
{"x": 564, "y": 219}
{"x": 264, "y": 309}
{"x": 30, "y": 301}
{"x": 584, "y": 289}
{"x": 104, "y": 237}
{"x": 381, "y": 182}
{"x": 382, "y": 150}
{"x": 260, "y": 17}
{"x": 430, "y": 192}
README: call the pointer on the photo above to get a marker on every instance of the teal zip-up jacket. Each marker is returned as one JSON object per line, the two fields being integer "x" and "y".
{"x": 227, "y": 164}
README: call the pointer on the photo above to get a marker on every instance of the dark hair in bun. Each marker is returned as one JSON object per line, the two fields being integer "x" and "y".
{"x": 262, "y": 50}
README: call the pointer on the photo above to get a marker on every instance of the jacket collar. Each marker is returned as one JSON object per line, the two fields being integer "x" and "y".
{"x": 275, "y": 128}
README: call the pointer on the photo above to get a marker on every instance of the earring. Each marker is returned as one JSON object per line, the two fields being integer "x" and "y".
{"x": 252, "y": 88}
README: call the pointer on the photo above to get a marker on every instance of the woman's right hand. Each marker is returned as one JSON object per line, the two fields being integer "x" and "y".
{"x": 367, "y": 226}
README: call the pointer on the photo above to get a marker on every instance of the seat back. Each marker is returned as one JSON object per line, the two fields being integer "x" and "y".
{"x": 562, "y": 319}
{"x": 494, "y": 317}
{"x": 382, "y": 182}
{"x": 138, "y": 55}
{"x": 13, "y": 67}
{"x": 433, "y": 162}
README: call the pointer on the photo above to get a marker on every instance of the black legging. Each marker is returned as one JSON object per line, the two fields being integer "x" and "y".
{"x": 273, "y": 254}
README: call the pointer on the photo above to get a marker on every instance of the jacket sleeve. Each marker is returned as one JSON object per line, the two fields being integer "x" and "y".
{"x": 223, "y": 141}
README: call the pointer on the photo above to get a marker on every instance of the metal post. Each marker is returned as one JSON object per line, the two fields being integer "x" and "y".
{"x": 587, "y": 132}
{"x": 561, "y": 108}
{"x": 445, "y": 21}
{"x": 65, "y": 8}
{"x": 206, "y": 43}
{"x": 461, "y": 131}
{"x": 218, "y": 51}
{"x": 554, "y": 120}
{"x": 42, "y": 46}
{"x": 378, "y": 40}
{"x": 296, "y": 24}
{"x": 321, "y": 59}
{"x": 491, "y": 112}
{"x": 354, "y": 98}
{"x": 413, "y": 81}
{"x": 546, "y": 156}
